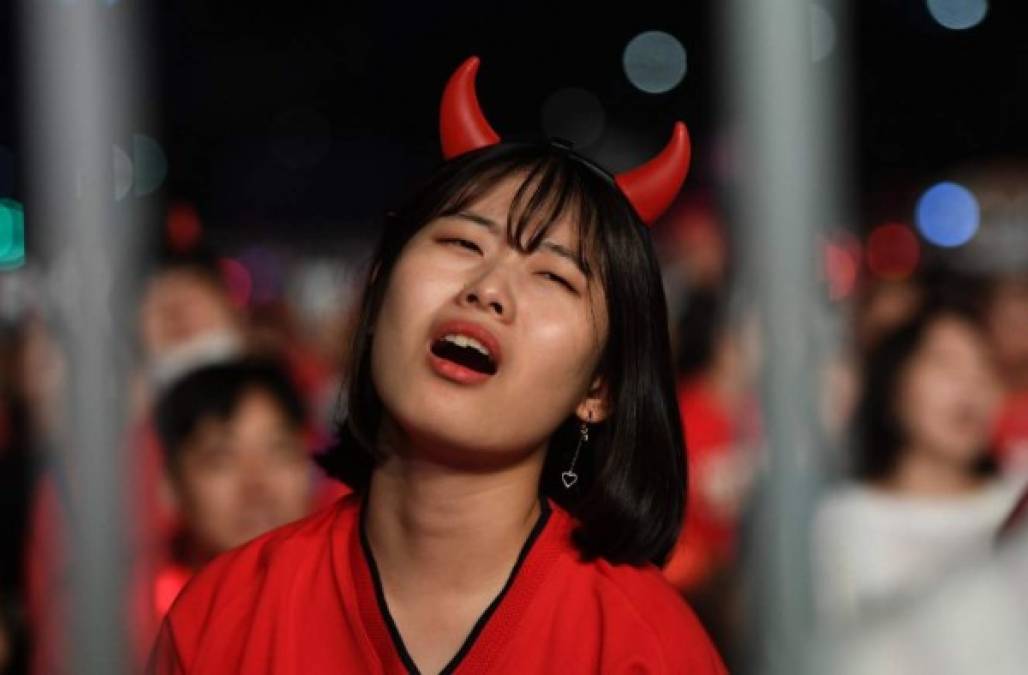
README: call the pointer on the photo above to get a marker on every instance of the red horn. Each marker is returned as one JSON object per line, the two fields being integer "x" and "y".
{"x": 652, "y": 187}
{"x": 462, "y": 126}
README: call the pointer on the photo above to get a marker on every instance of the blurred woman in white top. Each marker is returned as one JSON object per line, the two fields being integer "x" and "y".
{"x": 926, "y": 499}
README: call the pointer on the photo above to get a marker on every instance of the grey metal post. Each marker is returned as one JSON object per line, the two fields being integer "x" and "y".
{"x": 81, "y": 73}
{"x": 782, "y": 113}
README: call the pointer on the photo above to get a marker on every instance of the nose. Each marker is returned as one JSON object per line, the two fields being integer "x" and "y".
{"x": 490, "y": 292}
{"x": 255, "y": 484}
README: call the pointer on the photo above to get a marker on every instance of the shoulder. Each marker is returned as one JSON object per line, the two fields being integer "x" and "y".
{"x": 641, "y": 616}
{"x": 1004, "y": 493}
{"x": 844, "y": 499}
{"x": 650, "y": 610}
{"x": 845, "y": 507}
{"x": 230, "y": 585}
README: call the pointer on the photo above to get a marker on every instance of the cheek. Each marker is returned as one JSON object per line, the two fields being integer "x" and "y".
{"x": 563, "y": 351}
{"x": 208, "y": 492}
{"x": 918, "y": 401}
{"x": 292, "y": 483}
{"x": 557, "y": 365}
{"x": 404, "y": 317}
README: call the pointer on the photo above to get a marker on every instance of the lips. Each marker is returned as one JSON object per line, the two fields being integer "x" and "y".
{"x": 472, "y": 330}
{"x": 464, "y": 351}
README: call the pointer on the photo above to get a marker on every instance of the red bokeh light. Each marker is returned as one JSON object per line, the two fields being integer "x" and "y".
{"x": 893, "y": 251}
{"x": 184, "y": 228}
{"x": 238, "y": 280}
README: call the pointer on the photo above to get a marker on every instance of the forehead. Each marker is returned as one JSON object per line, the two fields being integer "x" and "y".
{"x": 527, "y": 215}
{"x": 949, "y": 333}
{"x": 255, "y": 405}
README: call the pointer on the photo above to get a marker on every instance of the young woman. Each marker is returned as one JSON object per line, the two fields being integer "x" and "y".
{"x": 512, "y": 440}
{"x": 926, "y": 499}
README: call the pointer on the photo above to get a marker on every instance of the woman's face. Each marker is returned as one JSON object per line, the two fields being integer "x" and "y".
{"x": 542, "y": 326}
{"x": 949, "y": 393}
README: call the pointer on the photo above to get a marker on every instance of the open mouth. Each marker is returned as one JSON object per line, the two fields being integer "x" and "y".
{"x": 465, "y": 351}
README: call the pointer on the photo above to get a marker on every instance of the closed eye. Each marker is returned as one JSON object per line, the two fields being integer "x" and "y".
{"x": 560, "y": 280}
{"x": 463, "y": 243}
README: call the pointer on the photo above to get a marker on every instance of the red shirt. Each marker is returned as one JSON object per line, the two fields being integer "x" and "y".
{"x": 305, "y": 599}
{"x": 1012, "y": 433}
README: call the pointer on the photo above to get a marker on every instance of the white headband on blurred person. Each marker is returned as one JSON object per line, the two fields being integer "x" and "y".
{"x": 201, "y": 350}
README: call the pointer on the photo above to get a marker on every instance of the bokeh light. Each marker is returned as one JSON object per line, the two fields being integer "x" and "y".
{"x": 842, "y": 255}
{"x": 267, "y": 273}
{"x": 183, "y": 227}
{"x": 237, "y": 279}
{"x": 575, "y": 115}
{"x": 150, "y": 163}
{"x": 893, "y": 251}
{"x": 655, "y": 62}
{"x": 948, "y": 215}
{"x": 12, "y": 234}
{"x": 123, "y": 172}
{"x": 958, "y": 14}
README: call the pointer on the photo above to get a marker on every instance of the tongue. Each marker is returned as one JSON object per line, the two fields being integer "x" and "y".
{"x": 465, "y": 356}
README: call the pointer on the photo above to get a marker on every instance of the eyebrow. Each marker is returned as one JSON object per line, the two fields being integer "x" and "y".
{"x": 551, "y": 246}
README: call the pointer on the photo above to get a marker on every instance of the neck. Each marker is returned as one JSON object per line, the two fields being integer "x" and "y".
{"x": 432, "y": 526}
{"x": 922, "y": 473}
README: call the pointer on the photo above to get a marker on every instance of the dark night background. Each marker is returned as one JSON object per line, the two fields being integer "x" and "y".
{"x": 277, "y": 118}
{"x": 301, "y": 123}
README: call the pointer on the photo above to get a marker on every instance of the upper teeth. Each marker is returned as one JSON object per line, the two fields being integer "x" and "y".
{"x": 465, "y": 341}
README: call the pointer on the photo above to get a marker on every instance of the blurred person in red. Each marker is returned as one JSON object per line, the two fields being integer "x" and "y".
{"x": 926, "y": 497}
{"x": 719, "y": 424}
{"x": 235, "y": 438}
{"x": 1007, "y": 321}
{"x": 276, "y": 329}
{"x": 716, "y": 408}
{"x": 711, "y": 386}
{"x": 18, "y": 465}
{"x": 186, "y": 319}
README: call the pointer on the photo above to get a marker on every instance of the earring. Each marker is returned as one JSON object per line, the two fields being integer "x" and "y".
{"x": 569, "y": 477}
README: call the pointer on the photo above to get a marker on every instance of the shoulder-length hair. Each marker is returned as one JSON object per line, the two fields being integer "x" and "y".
{"x": 880, "y": 432}
{"x": 630, "y": 495}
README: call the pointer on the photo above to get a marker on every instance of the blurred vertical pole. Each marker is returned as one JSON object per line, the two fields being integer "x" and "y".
{"x": 781, "y": 114}
{"x": 80, "y": 62}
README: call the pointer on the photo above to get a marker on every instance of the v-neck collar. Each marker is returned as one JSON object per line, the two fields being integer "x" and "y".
{"x": 492, "y": 628}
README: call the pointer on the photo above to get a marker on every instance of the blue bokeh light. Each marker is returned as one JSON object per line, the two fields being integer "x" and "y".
{"x": 958, "y": 14}
{"x": 655, "y": 62}
{"x": 947, "y": 215}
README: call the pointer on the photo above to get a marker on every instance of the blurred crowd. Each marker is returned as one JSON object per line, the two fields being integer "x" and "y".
{"x": 923, "y": 408}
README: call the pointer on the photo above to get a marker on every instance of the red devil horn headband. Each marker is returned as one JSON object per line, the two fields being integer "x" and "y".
{"x": 650, "y": 188}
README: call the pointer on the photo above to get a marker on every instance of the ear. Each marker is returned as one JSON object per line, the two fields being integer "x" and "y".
{"x": 596, "y": 405}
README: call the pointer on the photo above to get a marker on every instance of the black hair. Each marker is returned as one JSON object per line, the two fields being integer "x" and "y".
{"x": 880, "y": 431}
{"x": 216, "y": 391}
{"x": 630, "y": 495}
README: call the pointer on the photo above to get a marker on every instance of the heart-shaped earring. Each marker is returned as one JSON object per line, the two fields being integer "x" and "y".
{"x": 569, "y": 477}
